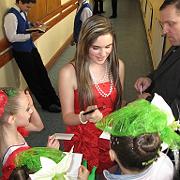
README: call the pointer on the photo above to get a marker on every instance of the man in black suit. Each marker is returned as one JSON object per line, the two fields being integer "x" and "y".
{"x": 114, "y": 9}
{"x": 165, "y": 80}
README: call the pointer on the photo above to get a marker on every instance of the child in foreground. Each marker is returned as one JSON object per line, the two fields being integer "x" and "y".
{"x": 40, "y": 163}
{"x": 137, "y": 132}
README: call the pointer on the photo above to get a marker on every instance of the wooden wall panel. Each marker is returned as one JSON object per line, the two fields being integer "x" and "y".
{"x": 52, "y": 5}
{"x": 38, "y": 11}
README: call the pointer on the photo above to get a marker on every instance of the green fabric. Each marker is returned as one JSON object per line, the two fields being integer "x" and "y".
{"x": 92, "y": 175}
{"x": 31, "y": 157}
{"x": 140, "y": 117}
{"x": 84, "y": 163}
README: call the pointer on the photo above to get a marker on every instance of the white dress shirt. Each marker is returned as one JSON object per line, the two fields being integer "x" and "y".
{"x": 162, "y": 169}
{"x": 85, "y": 13}
{"x": 10, "y": 26}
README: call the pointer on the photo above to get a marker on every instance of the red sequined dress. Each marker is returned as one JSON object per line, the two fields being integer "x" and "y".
{"x": 86, "y": 136}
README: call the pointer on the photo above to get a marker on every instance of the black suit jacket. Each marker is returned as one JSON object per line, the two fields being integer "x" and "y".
{"x": 166, "y": 79}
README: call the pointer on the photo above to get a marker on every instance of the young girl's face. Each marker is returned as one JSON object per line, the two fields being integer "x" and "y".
{"x": 24, "y": 111}
{"x": 101, "y": 49}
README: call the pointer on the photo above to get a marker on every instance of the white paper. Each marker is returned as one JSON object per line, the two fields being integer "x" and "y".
{"x": 63, "y": 136}
{"x": 105, "y": 135}
{"x": 159, "y": 102}
{"x": 75, "y": 164}
{"x": 164, "y": 146}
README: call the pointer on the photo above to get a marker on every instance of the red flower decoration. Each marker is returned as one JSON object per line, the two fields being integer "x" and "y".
{"x": 3, "y": 101}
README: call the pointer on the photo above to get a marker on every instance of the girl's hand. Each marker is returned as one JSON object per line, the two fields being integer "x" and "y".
{"x": 94, "y": 116}
{"x": 53, "y": 143}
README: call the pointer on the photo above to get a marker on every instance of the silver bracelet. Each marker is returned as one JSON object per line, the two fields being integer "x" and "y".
{"x": 80, "y": 118}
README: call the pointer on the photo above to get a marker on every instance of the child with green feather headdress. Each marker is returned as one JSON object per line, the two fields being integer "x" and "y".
{"x": 143, "y": 117}
{"x": 43, "y": 163}
{"x": 137, "y": 132}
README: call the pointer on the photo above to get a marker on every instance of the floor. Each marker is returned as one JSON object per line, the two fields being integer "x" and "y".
{"x": 132, "y": 49}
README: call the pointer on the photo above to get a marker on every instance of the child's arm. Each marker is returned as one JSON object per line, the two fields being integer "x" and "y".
{"x": 35, "y": 120}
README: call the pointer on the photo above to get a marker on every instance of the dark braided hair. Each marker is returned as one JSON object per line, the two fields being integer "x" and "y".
{"x": 136, "y": 153}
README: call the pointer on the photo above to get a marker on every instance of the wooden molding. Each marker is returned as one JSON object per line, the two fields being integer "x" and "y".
{"x": 4, "y": 44}
{"x": 5, "y": 58}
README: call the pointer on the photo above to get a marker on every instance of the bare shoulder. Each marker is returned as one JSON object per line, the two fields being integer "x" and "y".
{"x": 67, "y": 75}
{"x": 67, "y": 70}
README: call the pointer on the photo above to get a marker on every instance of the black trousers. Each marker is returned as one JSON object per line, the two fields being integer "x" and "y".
{"x": 35, "y": 74}
{"x": 98, "y": 6}
{"x": 114, "y": 7}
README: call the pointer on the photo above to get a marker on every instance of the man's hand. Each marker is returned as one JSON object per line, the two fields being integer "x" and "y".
{"x": 143, "y": 95}
{"x": 142, "y": 84}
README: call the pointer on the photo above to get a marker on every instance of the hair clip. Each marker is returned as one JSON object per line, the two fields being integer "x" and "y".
{"x": 10, "y": 92}
{"x": 148, "y": 162}
{"x": 3, "y": 101}
{"x": 114, "y": 140}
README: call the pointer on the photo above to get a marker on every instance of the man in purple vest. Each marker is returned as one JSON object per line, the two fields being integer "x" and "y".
{"x": 27, "y": 56}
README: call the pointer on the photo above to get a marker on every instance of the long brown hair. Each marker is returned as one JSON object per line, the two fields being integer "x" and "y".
{"x": 92, "y": 28}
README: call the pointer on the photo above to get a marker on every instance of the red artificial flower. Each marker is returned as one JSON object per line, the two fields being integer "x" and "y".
{"x": 3, "y": 101}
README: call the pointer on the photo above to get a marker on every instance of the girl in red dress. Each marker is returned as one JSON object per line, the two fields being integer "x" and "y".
{"x": 93, "y": 80}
